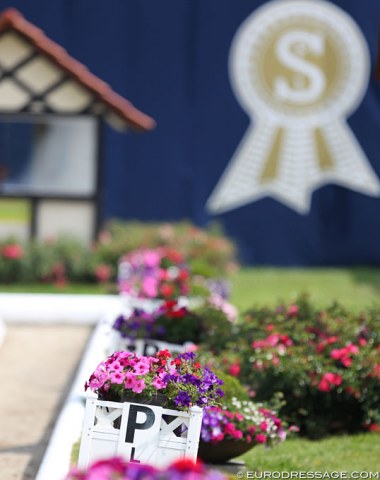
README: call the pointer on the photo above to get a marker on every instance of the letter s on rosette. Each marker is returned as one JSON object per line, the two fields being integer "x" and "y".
{"x": 298, "y": 68}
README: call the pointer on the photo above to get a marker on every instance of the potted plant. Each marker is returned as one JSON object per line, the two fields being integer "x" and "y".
{"x": 149, "y": 409}
{"x": 159, "y": 273}
{"x": 178, "y": 382}
{"x": 176, "y": 324}
{"x": 235, "y": 427}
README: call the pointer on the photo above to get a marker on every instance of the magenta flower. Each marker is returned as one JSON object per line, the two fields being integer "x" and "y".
{"x": 261, "y": 438}
{"x": 149, "y": 287}
{"x": 117, "y": 377}
{"x": 130, "y": 380}
{"x": 158, "y": 383}
{"x": 139, "y": 386}
{"x": 141, "y": 368}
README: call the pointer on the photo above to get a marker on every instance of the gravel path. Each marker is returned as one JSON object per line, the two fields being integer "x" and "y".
{"x": 37, "y": 364}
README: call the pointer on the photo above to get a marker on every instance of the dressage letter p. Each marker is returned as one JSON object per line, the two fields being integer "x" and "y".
{"x": 132, "y": 421}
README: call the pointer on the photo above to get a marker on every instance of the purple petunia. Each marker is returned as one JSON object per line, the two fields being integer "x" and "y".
{"x": 183, "y": 399}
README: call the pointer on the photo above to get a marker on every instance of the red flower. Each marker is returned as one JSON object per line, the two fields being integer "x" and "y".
{"x": 166, "y": 290}
{"x": 328, "y": 381}
{"x": 234, "y": 370}
{"x": 183, "y": 275}
{"x": 376, "y": 371}
{"x": 293, "y": 311}
{"x": 327, "y": 341}
{"x": 264, "y": 426}
{"x": 103, "y": 273}
{"x": 186, "y": 465}
{"x": 374, "y": 427}
{"x": 12, "y": 251}
{"x": 342, "y": 354}
{"x": 261, "y": 438}
{"x": 173, "y": 256}
{"x": 164, "y": 354}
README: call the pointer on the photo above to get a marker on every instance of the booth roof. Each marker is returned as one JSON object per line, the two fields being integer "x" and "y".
{"x": 12, "y": 19}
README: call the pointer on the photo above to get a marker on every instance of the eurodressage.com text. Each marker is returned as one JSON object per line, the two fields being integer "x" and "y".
{"x": 309, "y": 475}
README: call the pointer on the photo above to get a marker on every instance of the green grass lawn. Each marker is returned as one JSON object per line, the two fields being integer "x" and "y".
{"x": 337, "y": 454}
{"x": 342, "y": 453}
{"x": 353, "y": 287}
{"x": 14, "y": 210}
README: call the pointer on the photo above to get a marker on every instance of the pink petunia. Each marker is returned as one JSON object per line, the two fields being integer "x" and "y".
{"x": 152, "y": 259}
{"x": 264, "y": 426}
{"x": 116, "y": 366}
{"x": 150, "y": 287}
{"x": 141, "y": 368}
{"x": 158, "y": 383}
{"x": 139, "y": 386}
{"x": 130, "y": 380}
{"x": 261, "y": 438}
{"x": 117, "y": 377}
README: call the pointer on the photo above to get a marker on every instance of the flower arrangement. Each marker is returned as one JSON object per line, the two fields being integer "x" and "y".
{"x": 182, "y": 381}
{"x": 243, "y": 421}
{"x": 171, "y": 322}
{"x": 118, "y": 469}
{"x": 175, "y": 323}
{"x": 154, "y": 273}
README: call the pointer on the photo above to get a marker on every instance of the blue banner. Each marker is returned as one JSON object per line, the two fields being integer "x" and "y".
{"x": 268, "y": 117}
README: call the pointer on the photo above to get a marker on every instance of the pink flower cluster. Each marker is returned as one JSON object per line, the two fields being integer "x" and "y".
{"x": 344, "y": 355}
{"x": 12, "y": 251}
{"x": 182, "y": 380}
{"x": 329, "y": 381}
{"x": 273, "y": 340}
{"x": 227, "y": 308}
{"x": 243, "y": 421}
{"x": 126, "y": 371}
{"x": 149, "y": 273}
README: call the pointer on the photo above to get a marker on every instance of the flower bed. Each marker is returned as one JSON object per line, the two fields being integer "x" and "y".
{"x": 62, "y": 260}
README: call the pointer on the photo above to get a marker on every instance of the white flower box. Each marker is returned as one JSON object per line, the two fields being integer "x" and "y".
{"x": 148, "y": 434}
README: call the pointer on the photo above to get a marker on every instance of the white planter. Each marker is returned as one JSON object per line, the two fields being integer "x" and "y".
{"x": 148, "y": 434}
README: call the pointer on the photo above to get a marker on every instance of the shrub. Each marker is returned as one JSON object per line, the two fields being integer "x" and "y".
{"x": 326, "y": 363}
{"x": 208, "y": 252}
{"x": 65, "y": 259}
